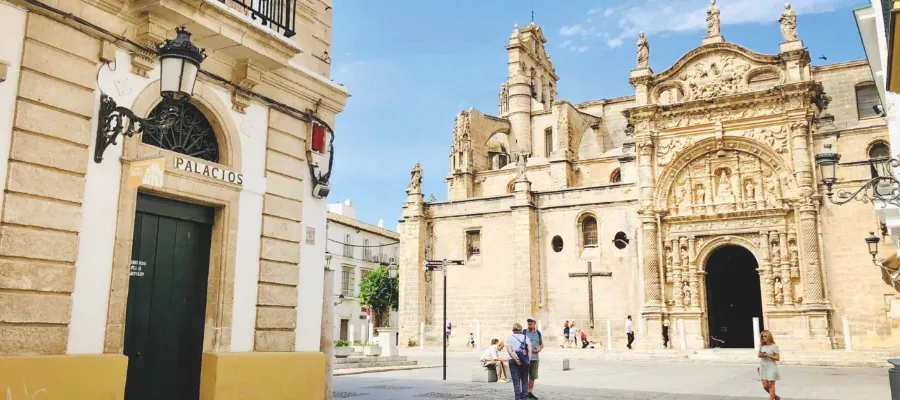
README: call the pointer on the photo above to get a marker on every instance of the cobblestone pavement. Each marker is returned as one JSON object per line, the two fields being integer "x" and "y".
{"x": 622, "y": 381}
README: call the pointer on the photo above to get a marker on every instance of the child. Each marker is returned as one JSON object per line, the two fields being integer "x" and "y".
{"x": 471, "y": 341}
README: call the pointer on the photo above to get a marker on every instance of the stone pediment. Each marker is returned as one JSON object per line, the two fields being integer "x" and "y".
{"x": 714, "y": 70}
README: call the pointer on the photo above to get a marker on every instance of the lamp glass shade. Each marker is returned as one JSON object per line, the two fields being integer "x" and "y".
{"x": 170, "y": 75}
{"x": 872, "y": 241}
{"x": 392, "y": 271}
{"x": 188, "y": 77}
{"x": 828, "y": 162}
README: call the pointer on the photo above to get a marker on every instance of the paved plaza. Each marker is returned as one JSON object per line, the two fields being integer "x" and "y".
{"x": 591, "y": 379}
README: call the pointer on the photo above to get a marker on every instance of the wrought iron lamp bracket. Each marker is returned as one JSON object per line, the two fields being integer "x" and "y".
{"x": 874, "y": 191}
{"x": 115, "y": 121}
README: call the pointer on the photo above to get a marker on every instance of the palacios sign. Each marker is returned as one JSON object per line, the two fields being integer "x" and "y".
{"x": 208, "y": 171}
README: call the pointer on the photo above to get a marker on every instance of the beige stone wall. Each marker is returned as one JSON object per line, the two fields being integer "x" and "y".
{"x": 276, "y": 316}
{"x": 42, "y": 211}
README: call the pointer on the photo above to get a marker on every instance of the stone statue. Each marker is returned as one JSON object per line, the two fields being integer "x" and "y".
{"x": 684, "y": 258}
{"x": 699, "y": 195}
{"x": 712, "y": 20}
{"x": 749, "y": 190}
{"x": 643, "y": 52}
{"x": 687, "y": 294}
{"x": 788, "y": 23}
{"x": 415, "y": 181}
{"x": 682, "y": 197}
{"x": 776, "y": 253}
{"x": 521, "y": 160}
{"x": 724, "y": 189}
{"x": 668, "y": 260}
{"x": 771, "y": 182}
{"x": 779, "y": 291}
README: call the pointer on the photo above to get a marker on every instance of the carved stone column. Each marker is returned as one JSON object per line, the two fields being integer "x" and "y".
{"x": 695, "y": 276}
{"x": 764, "y": 276}
{"x": 813, "y": 287}
{"x": 787, "y": 292}
{"x": 645, "y": 170}
{"x": 678, "y": 290}
{"x": 652, "y": 295}
{"x": 802, "y": 161}
{"x": 774, "y": 270}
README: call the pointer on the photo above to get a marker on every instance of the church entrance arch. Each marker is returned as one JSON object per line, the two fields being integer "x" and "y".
{"x": 733, "y": 297}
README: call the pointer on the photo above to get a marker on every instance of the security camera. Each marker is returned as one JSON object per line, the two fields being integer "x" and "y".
{"x": 879, "y": 109}
{"x": 321, "y": 191}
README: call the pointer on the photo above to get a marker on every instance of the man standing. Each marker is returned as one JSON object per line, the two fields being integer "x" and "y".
{"x": 537, "y": 344}
{"x": 666, "y": 333}
{"x": 491, "y": 359}
{"x": 629, "y": 330}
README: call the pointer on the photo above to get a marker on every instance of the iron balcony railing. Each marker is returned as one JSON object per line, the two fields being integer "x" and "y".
{"x": 280, "y": 15}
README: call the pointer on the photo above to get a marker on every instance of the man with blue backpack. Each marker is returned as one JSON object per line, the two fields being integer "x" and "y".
{"x": 537, "y": 344}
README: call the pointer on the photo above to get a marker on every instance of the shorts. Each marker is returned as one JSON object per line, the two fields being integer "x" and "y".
{"x": 533, "y": 369}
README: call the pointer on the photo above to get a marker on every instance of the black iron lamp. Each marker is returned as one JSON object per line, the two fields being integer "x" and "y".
{"x": 340, "y": 299}
{"x": 872, "y": 242}
{"x": 827, "y": 162}
{"x": 179, "y": 64}
{"x": 393, "y": 269}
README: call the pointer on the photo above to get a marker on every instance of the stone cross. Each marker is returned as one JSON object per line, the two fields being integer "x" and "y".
{"x": 590, "y": 275}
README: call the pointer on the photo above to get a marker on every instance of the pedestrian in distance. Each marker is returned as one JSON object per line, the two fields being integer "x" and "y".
{"x": 666, "y": 333}
{"x": 565, "y": 336}
{"x": 629, "y": 330}
{"x": 519, "y": 348}
{"x": 572, "y": 331}
{"x": 769, "y": 355}
{"x": 471, "y": 342}
{"x": 537, "y": 344}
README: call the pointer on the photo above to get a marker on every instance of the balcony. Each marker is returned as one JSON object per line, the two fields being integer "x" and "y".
{"x": 278, "y": 15}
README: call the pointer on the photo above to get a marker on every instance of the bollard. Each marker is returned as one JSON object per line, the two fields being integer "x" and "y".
{"x": 848, "y": 343}
{"x": 894, "y": 378}
{"x": 756, "y": 333}
{"x": 609, "y": 334}
{"x": 421, "y": 335}
{"x": 681, "y": 337}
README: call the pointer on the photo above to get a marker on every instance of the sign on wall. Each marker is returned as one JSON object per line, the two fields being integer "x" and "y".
{"x": 149, "y": 172}
{"x": 208, "y": 171}
{"x": 310, "y": 236}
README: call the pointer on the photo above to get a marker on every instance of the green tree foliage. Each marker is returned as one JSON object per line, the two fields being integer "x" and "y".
{"x": 377, "y": 292}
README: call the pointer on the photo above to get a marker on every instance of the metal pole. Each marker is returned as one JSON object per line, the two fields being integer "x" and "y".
{"x": 444, "y": 270}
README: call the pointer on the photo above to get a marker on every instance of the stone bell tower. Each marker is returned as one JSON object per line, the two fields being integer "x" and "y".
{"x": 531, "y": 84}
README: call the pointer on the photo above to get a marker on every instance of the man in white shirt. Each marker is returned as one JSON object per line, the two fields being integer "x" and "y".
{"x": 491, "y": 358}
{"x": 629, "y": 330}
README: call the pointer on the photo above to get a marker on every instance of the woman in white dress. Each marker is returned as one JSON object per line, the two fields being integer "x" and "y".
{"x": 768, "y": 369}
{"x": 572, "y": 332}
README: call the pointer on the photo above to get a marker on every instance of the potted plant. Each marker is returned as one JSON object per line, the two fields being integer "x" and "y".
{"x": 341, "y": 348}
{"x": 372, "y": 350}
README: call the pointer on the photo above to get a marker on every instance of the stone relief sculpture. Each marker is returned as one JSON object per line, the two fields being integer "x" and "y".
{"x": 775, "y": 137}
{"x": 682, "y": 197}
{"x": 779, "y": 291}
{"x": 668, "y": 149}
{"x": 775, "y": 253}
{"x": 699, "y": 195}
{"x": 724, "y": 191}
{"x": 788, "y": 22}
{"x": 712, "y": 20}
{"x": 687, "y": 294}
{"x": 749, "y": 190}
{"x": 771, "y": 189}
{"x": 716, "y": 76}
{"x": 668, "y": 264}
{"x": 643, "y": 52}
{"x": 684, "y": 258}
{"x": 415, "y": 180}
{"x": 794, "y": 260}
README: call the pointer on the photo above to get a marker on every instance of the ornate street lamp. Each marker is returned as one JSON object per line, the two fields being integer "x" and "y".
{"x": 882, "y": 189}
{"x": 393, "y": 269}
{"x": 872, "y": 242}
{"x": 179, "y": 64}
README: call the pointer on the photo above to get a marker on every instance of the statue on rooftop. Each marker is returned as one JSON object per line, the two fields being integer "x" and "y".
{"x": 643, "y": 52}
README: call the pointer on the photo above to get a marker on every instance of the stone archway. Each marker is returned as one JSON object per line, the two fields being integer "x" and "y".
{"x": 733, "y": 296}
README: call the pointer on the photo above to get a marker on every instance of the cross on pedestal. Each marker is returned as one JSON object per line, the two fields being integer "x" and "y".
{"x": 590, "y": 275}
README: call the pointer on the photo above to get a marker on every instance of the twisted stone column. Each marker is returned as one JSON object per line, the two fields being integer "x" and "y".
{"x": 678, "y": 291}
{"x": 813, "y": 287}
{"x": 695, "y": 276}
{"x": 764, "y": 276}
{"x": 652, "y": 293}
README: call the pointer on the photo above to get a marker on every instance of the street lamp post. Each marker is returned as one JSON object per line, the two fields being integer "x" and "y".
{"x": 180, "y": 62}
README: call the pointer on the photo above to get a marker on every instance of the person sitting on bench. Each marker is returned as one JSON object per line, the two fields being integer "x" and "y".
{"x": 491, "y": 359}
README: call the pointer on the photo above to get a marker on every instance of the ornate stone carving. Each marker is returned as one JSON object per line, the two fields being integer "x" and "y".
{"x": 716, "y": 76}
{"x": 749, "y": 189}
{"x": 669, "y": 148}
{"x": 521, "y": 162}
{"x": 668, "y": 261}
{"x": 643, "y": 52}
{"x": 713, "y": 23}
{"x": 504, "y": 99}
{"x": 688, "y": 294}
{"x": 704, "y": 116}
{"x": 725, "y": 225}
{"x": 651, "y": 264}
{"x": 775, "y": 137}
{"x": 415, "y": 180}
{"x": 788, "y": 22}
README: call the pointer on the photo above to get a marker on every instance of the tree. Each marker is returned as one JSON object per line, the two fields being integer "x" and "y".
{"x": 377, "y": 292}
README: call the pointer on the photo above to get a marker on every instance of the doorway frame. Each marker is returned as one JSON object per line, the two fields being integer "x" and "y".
{"x": 703, "y": 255}
{"x": 223, "y": 197}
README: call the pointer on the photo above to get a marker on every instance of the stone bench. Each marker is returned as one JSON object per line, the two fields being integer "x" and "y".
{"x": 484, "y": 374}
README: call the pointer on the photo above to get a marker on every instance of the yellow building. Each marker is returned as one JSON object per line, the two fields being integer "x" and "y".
{"x": 186, "y": 260}
{"x": 695, "y": 200}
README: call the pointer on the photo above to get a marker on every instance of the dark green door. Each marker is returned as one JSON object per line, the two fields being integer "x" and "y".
{"x": 167, "y": 299}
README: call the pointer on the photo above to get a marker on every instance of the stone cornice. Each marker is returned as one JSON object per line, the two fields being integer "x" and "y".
{"x": 709, "y": 48}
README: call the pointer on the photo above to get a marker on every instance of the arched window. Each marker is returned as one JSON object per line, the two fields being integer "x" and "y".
{"x": 511, "y": 186}
{"x": 615, "y": 176}
{"x": 190, "y": 134}
{"x": 867, "y": 100}
{"x": 588, "y": 231}
{"x": 879, "y": 159}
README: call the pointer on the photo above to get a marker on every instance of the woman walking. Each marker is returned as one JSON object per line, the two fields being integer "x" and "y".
{"x": 768, "y": 369}
{"x": 573, "y": 332}
{"x": 519, "y": 348}
{"x": 565, "y": 335}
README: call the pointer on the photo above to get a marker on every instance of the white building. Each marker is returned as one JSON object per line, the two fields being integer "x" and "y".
{"x": 357, "y": 248}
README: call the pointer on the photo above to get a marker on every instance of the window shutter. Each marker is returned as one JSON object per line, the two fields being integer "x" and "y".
{"x": 866, "y": 100}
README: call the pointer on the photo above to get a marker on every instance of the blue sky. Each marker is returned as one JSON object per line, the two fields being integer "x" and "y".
{"x": 411, "y": 66}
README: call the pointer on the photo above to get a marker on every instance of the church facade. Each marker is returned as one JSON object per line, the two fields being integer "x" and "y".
{"x": 696, "y": 200}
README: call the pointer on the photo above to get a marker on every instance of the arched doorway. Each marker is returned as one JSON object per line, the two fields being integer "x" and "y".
{"x": 733, "y": 297}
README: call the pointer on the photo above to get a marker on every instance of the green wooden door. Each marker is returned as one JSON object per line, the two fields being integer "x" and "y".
{"x": 167, "y": 299}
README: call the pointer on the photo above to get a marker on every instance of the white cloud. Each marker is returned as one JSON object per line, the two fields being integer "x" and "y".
{"x": 660, "y": 17}
{"x": 582, "y": 49}
{"x": 566, "y": 43}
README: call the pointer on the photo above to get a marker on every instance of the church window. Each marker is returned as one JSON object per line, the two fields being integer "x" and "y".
{"x": 557, "y": 243}
{"x": 615, "y": 176}
{"x": 589, "y": 231}
{"x": 348, "y": 285}
{"x": 548, "y": 142}
{"x": 367, "y": 252}
{"x": 879, "y": 160}
{"x": 191, "y": 134}
{"x": 867, "y": 100}
{"x": 621, "y": 240}
{"x": 473, "y": 243}
{"x": 348, "y": 246}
